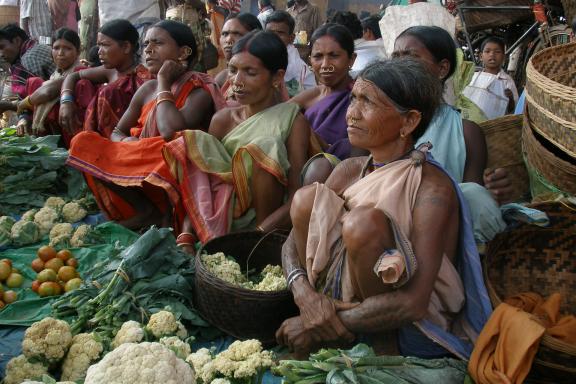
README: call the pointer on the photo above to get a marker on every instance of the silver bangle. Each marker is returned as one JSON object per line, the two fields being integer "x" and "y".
{"x": 298, "y": 272}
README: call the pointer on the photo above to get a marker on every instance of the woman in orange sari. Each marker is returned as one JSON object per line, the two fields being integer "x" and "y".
{"x": 127, "y": 172}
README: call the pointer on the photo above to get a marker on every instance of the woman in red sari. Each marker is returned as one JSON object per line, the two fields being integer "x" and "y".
{"x": 119, "y": 77}
{"x": 127, "y": 172}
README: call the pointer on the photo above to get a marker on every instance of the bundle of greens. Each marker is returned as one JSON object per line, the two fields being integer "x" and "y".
{"x": 146, "y": 277}
{"x": 360, "y": 365}
{"x": 31, "y": 170}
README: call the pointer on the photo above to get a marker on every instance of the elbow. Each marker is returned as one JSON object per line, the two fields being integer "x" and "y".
{"x": 416, "y": 309}
{"x": 167, "y": 136}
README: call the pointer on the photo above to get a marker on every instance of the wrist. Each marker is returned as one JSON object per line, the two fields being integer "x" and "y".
{"x": 301, "y": 289}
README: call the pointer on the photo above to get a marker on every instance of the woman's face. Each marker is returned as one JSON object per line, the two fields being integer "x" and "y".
{"x": 113, "y": 54}
{"x": 408, "y": 45}
{"x": 373, "y": 120}
{"x": 64, "y": 54}
{"x": 159, "y": 46}
{"x": 330, "y": 62}
{"x": 232, "y": 31}
{"x": 251, "y": 81}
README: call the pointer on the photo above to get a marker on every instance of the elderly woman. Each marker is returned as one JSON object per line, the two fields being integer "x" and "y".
{"x": 376, "y": 249}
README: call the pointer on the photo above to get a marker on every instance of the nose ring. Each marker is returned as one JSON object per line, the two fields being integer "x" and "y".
{"x": 329, "y": 69}
{"x": 238, "y": 86}
{"x": 353, "y": 120}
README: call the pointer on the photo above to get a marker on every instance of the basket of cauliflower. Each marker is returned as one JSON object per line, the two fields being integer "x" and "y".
{"x": 229, "y": 299}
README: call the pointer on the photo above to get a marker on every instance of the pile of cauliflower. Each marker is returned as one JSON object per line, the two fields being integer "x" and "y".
{"x": 271, "y": 277}
{"x": 242, "y": 360}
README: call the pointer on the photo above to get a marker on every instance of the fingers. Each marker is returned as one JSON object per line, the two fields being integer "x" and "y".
{"x": 342, "y": 306}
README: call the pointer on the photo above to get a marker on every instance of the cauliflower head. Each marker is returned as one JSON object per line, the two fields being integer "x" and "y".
{"x": 143, "y": 363}
{"x": 47, "y": 339}
{"x": 54, "y": 202}
{"x": 220, "y": 381}
{"x": 46, "y": 218}
{"x": 29, "y": 215}
{"x": 73, "y": 212}
{"x": 80, "y": 237}
{"x": 25, "y": 232}
{"x": 60, "y": 235}
{"x": 130, "y": 332}
{"x": 19, "y": 369}
{"x": 85, "y": 349}
{"x": 6, "y": 223}
{"x": 179, "y": 347}
{"x": 5, "y": 237}
{"x": 224, "y": 268}
{"x": 198, "y": 360}
{"x": 162, "y": 323}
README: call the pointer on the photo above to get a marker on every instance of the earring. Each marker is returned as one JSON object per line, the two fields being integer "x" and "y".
{"x": 402, "y": 135}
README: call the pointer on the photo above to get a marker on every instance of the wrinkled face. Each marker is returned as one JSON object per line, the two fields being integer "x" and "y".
{"x": 493, "y": 56}
{"x": 159, "y": 46}
{"x": 251, "y": 81}
{"x": 282, "y": 31}
{"x": 10, "y": 49}
{"x": 232, "y": 31}
{"x": 64, "y": 54}
{"x": 408, "y": 45}
{"x": 330, "y": 62}
{"x": 113, "y": 53}
{"x": 373, "y": 120}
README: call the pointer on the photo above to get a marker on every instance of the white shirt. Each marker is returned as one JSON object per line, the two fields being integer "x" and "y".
{"x": 297, "y": 69}
{"x": 130, "y": 10}
{"x": 487, "y": 91}
{"x": 367, "y": 51}
{"x": 263, "y": 15}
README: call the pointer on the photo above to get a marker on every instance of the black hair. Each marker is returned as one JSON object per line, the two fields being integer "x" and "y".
{"x": 93, "y": 57}
{"x": 574, "y": 25}
{"x": 248, "y": 20}
{"x": 409, "y": 84}
{"x": 182, "y": 34}
{"x": 290, "y": 3}
{"x": 282, "y": 17}
{"x": 437, "y": 41}
{"x": 68, "y": 35}
{"x": 495, "y": 40}
{"x": 371, "y": 23}
{"x": 265, "y": 3}
{"x": 339, "y": 33}
{"x": 349, "y": 20}
{"x": 266, "y": 46}
{"x": 11, "y": 31}
{"x": 121, "y": 30}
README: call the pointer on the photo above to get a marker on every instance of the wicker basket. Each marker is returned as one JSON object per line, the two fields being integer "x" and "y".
{"x": 551, "y": 95}
{"x": 9, "y": 14}
{"x": 240, "y": 312}
{"x": 541, "y": 260}
{"x": 480, "y": 19}
{"x": 504, "y": 142}
{"x": 558, "y": 173}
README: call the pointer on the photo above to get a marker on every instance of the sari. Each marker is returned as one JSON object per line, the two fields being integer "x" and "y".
{"x": 214, "y": 176}
{"x": 135, "y": 163}
{"x": 112, "y": 100}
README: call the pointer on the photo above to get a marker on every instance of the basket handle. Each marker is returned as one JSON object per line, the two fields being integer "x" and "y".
{"x": 256, "y": 246}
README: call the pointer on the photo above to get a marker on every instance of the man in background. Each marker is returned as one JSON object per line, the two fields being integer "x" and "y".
{"x": 36, "y": 20}
{"x": 265, "y": 8}
{"x": 370, "y": 47}
{"x": 306, "y": 16}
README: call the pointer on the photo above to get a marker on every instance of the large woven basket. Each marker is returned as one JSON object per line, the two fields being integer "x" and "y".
{"x": 504, "y": 142}
{"x": 551, "y": 95}
{"x": 480, "y": 19}
{"x": 243, "y": 313}
{"x": 9, "y": 14}
{"x": 541, "y": 260}
{"x": 546, "y": 167}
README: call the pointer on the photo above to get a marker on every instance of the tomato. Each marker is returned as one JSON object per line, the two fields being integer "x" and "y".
{"x": 54, "y": 264}
{"x": 46, "y": 253}
{"x": 72, "y": 284}
{"x": 64, "y": 254}
{"x": 5, "y": 271}
{"x": 9, "y": 297}
{"x": 72, "y": 262}
{"x": 46, "y": 275}
{"x": 7, "y": 261}
{"x": 14, "y": 280}
{"x": 37, "y": 265}
{"x": 36, "y": 285}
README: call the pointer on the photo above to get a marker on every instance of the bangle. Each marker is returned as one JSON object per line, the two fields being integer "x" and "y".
{"x": 161, "y": 92}
{"x": 293, "y": 275}
{"x": 260, "y": 229}
{"x": 65, "y": 90}
{"x": 163, "y": 99}
{"x": 66, "y": 99}
{"x": 186, "y": 238}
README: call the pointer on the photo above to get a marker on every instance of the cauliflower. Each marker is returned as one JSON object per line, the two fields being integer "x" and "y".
{"x": 20, "y": 369}
{"x": 272, "y": 279}
{"x": 130, "y": 332}
{"x": 162, "y": 323}
{"x": 179, "y": 347}
{"x": 144, "y": 363}
{"x": 73, "y": 212}
{"x": 46, "y": 218}
{"x": 220, "y": 381}
{"x": 85, "y": 349}
{"x": 6, "y": 223}
{"x": 29, "y": 215}
{"x": 198, "y": 360}
{"x": 56, "y": 203}
{"x": 5, "y": 238}
{"x": 25, "y": 232}
{"x": 182, "y": 333}
{"x": 47, "y": 340}
{"x": 224, "y": 268}
{"x": 80, "y": 237}
{"x": 60, "y": 235}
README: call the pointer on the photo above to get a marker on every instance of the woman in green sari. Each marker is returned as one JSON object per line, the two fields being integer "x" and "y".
{"x": 243, "y": 173}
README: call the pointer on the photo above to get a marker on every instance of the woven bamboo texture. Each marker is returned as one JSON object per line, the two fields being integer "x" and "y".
{"x": 243, "y": 313}
{"x": 9, "y": 14}
{"x": 504, "y": 143}
{"x": 484, "y": 19}
{"x": 559, "y": 173}
{"x": 551, "y": 95}
{"x": 541, "y": 260}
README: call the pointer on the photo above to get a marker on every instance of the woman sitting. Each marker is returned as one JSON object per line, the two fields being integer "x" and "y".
{"x": 127, "y": 174}
{"x": 38, "y": 112}
{"x": 119, "y": 77}
{"x": 375, "y": 249}
{"x": 245, "y": 170}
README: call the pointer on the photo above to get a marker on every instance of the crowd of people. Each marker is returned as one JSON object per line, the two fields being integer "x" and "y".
{"x": 381, "y": 181}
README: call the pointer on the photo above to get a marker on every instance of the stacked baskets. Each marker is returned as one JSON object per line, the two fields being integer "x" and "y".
{"x": 549, "y": 134}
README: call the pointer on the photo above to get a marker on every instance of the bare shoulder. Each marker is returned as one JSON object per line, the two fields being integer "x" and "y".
{"x": 436, "y": 188}
{"x": 346, "y": 173}
{"x": 221, "y": 77}
{"x": 306, "y": 98}
{"x": 222, "y": 122}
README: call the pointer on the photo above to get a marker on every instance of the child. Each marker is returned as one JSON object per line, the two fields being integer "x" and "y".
{"x": 493, "y": 90}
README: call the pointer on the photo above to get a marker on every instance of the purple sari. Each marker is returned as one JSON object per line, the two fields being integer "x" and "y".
{"x": 328, "y": 119}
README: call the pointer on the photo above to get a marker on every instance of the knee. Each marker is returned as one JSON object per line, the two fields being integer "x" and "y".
{"x": 302, "y": 203}
{"x": 317, "y": 170}
{"x": 367, "y": 227}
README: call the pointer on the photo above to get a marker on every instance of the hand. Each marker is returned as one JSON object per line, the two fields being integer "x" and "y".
{"x": 319, "y": 314}
{"x": 23, "y": 127}
{"x": 169, "y": 72}
{"x": 67, "y": 117}
{"x": 498, "y": 183}
{"x": 7, "y": 106}
{"x": 508, "y": 93}
{"x": 298, "y": 339}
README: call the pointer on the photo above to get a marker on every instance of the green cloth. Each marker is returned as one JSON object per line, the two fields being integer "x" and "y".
{"x": 461, "y": 78}
{"x": 29, "y": 307}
